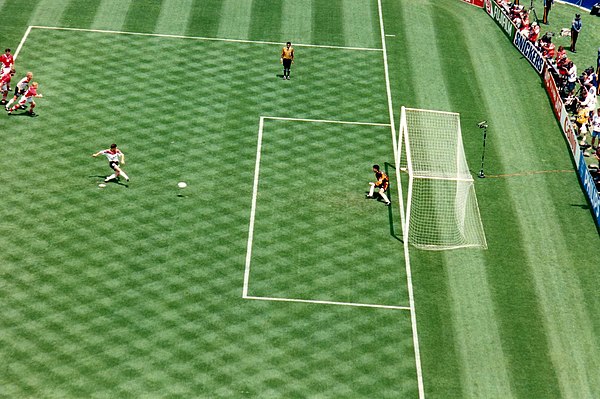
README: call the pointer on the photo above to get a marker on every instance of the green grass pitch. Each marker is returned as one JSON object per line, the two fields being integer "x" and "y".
{"x": 251, "y": 282}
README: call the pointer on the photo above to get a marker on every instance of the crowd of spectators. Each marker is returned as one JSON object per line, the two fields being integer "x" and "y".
{"x": 578, "y": 91}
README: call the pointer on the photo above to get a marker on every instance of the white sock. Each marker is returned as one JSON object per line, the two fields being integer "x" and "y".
{"x": 125, "y": 175}
{"x": 111, "y": 177}
{"x": 385, "y": 198}
{"x": 372, "y": 189}
{"x": 8, "y": 104}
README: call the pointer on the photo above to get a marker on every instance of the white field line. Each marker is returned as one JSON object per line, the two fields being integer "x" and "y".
{"x": 21, "y": 43}
{"x": 325, "y": 121}
{"x": 253, "y": 218}
{"x": 216, "y": 39}
{"x": 362, "y": 305}
{"x": 413, "y": 316}
{"x": 261, "y": 124}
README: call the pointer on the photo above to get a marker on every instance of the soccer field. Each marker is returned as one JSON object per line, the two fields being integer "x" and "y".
{"x": 270, "y": 275}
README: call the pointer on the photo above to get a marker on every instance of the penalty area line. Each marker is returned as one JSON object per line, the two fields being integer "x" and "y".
{"x": 22, "y": 43}
{"x": 314, "y": 301}
{"x": 215, "y": 39}
{"x": 280, "y": 118}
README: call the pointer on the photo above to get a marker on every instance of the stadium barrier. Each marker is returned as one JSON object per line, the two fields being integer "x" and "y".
{"x": 477, "y": 3}
{"x": 585, "y": 4}
{"x": 498, "y": 14}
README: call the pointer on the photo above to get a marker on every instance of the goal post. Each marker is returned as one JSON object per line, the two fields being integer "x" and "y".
{"x": 438, "y": 204}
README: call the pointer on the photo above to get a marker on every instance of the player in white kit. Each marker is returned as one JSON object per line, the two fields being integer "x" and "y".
{"x": 115, "y": 159}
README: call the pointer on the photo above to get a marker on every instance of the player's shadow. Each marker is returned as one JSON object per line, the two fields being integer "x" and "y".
{"x": 23, "y": 114}
{"x": 113, "y": 181}
{"x": 387, "y": 167}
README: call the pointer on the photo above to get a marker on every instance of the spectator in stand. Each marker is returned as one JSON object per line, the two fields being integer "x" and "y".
{"x": 575, "y": 29}
{"x": 561, "y": 66}
{"x": 598, "y": 66}
{"x": 547, "y": 8}
{"x": 534, "y": 32}
{"x": 516, "y": 14}
{"x": 571, "y": 76}
{"x": 570, "y": 102}
{"x": 561, "y": 54}
{"x": 525, "y": 23}
{"x": 589, "y": 76}
{"x": 589, "y": 101}
{"x": 596, "y": 128}
{"x": 548, "y": 48}
{"x": 581, "y": 122}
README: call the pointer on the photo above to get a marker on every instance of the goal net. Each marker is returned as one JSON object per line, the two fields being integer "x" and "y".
{"x": 439, "y": 210}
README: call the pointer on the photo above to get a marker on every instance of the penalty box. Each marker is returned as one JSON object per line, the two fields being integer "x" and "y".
{"x": 312, "y": 236}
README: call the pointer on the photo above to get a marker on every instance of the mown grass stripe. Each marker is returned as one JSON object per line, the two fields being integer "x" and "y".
{"x": 266, "y": 20}
{"x": 79, "y": 14}
{"x": 328, "y": 25}
{"x": 360, "y": 25}
{"x": 111, "y": 14}
{"x": 484, "y": 371}
{"x": 16, "y": 15}
{"x": 235, "y": 19}
{"x": 572, "y": 343}
{"x": 142, "y": 16}
{"x": 174, "y": 16}
{"x": 544, "y": 243}
{"x": 48, "y": 12}
{"x": 296, "y": 21}
{"x": 204, "y": 18}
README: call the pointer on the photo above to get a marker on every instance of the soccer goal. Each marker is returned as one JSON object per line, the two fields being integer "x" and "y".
{"x": 439, "y": 210}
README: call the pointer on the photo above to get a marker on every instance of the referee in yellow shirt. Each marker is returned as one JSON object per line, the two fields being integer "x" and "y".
{"x": 287, "y": 58}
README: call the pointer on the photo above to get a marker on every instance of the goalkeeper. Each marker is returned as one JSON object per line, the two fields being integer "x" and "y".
{"x": 382, "y": 183}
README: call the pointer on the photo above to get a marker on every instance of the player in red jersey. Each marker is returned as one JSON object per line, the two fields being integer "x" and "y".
{"x": 5, "y": 83}
{"x": 27, "y": 98}
{"x": 114, "y": 156}
{"x": 8, "y": 62}
{"x": 20, "y": 89}
{"x": 382, "y": 183}
{"x": 7, "y": 59}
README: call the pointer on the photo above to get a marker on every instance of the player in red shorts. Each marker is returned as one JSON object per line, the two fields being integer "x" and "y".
{"x": 5, "y": 83}
{"x": 27, "y": 98}
{"x": 382, "y": 183}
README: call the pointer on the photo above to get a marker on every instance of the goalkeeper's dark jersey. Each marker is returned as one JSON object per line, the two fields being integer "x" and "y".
{"x": 383, "y": 181}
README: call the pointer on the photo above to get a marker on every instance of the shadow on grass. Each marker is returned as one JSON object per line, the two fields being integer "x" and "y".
{"x": 113, "y": 181}
{"x": 22, "y": 114}
{"x": 582, "y": 206}
{"x": 387, "y": 167}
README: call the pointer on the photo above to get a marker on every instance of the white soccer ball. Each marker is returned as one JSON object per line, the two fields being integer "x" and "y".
{"x": 101, "y": 185}
{"x": 182, "y": 184}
